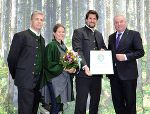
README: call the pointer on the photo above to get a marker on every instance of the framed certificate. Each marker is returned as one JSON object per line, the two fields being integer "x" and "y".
{"x": 101, "y": 62}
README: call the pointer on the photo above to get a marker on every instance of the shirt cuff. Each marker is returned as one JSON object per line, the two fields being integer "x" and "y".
{"x": 125, "y": 57}
{"x": 83, "y": 68}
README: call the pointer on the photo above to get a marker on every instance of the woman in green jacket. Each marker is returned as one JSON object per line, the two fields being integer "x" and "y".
{"x": 58, "y": 79}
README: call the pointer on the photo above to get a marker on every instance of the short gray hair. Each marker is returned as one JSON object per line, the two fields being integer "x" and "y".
{"x": 119, "y": 15}
{"x": 36, "y": 12}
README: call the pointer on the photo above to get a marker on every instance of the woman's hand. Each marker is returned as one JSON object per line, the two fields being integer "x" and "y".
{"x": 71, "y": 70}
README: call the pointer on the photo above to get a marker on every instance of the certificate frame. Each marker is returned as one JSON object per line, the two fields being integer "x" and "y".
{"x": 101, "y": 62}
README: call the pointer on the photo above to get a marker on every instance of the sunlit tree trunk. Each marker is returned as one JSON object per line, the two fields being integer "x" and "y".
{"x": 108, "y": 18}
{"x": 47, "y": 27}
{"x": 70, "y": 19}
{"x": 140, "y": 28}
{"x": 39, "y": 4}
{"x": 58, "y": 11}
{"x": 90, "y": 4}
{"x": 63, "y": 12}
{"x": 82, "y": 10}
{"x": 50, "y": 12}
{"x": 99, "y": 5}
{"x": 53, "y": 13}
{"x": 27, "y": 14}
{"x": 131, "y": 14}
{"x": 5, "y": 28}
{"x": 12, "y": 91}
{"x": 5, "y": 45}
{"x": 20, "y": 15}
{"x": 1, "y": 4}
{"x": 75, "y": 14}
{"x": 147, "y": 35}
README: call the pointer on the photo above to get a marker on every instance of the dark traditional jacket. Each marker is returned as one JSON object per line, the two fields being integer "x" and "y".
{"x": 21, "y": 58}
{"x": 83, "y": 41}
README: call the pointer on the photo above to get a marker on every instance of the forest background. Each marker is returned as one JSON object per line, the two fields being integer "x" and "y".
{"x": 15, "y": 17}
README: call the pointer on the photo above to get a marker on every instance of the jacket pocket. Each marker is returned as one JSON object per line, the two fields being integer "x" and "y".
{"x": 20, "y": 68}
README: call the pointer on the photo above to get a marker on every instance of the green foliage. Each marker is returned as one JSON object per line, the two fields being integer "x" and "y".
{"x": 2, "y": 111}
{"x": 0, "y": 41}
{"x": 144, "y": 60}
{"x": 6, "y": 106}
{"x": 68, "y": 41}
{"x": 3, "y": 86}
{"x": 106, "y": 106}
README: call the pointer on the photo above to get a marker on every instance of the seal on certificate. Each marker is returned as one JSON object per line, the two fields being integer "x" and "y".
{"x": 100, "y": 57}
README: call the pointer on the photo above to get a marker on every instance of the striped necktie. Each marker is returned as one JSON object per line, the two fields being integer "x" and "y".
{"x": 117, "y": 40}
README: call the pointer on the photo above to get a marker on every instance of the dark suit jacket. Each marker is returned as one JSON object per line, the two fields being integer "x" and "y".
{"x": 130, "y": 45}
{"x": 81, "y": 44}
{"x": 21, "y": 58}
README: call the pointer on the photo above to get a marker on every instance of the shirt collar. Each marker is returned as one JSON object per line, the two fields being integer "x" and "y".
{"x": 35, "y": 32}
{"x": 119, "y": 33}
{"x": 92, "y": 29}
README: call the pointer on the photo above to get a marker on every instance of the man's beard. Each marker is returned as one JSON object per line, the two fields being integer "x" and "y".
{"x": 91, "y": 26}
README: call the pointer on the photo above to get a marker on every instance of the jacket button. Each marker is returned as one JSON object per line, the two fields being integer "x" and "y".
{"x": 33, "y": 73}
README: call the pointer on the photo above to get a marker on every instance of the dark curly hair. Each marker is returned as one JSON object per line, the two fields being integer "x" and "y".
{"x": 91, "y": 12}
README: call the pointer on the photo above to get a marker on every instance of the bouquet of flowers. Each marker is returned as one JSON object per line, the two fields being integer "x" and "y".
{"x": 70, "y": 60}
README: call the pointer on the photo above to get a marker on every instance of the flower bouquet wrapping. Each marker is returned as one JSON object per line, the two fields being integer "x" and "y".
{"x": 70, "y": 61}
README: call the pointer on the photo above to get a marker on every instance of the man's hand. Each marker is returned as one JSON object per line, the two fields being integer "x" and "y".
{"x": 120, "y": 57}
{"x": 102, "y": 49}
{"x": 87, "y": 70}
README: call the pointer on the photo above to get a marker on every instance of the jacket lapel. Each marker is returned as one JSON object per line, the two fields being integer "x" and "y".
{"x": 114, "y": 40}
{"x": 122, "y": 40}
{"x": 97, "y": 38}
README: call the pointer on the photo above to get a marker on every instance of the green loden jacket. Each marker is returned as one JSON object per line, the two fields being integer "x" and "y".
{"x": 51, "y": 63}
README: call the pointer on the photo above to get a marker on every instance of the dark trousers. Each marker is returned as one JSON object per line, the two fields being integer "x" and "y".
{"x": 83, "y": 87}
{"x": 123, "y": 95}
{"x": 56, "y": 107}
{"x": 28, "y": 100}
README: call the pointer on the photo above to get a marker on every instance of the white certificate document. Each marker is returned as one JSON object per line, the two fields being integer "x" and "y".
{"x": 101, "y": 62}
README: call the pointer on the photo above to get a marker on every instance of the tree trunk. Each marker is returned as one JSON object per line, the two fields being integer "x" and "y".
{"x": 11, "y": 88}
{"x": 82, "y": 10}
{"x": 63, "y": 12}
{"x": 75, "y": 14}
{"x": 147, "y": 31}
{"x": 70, "y": 20}
{"x": 1, "y": 17}
{"x": 6, "y": 28}
{"x": 27, "y": 14}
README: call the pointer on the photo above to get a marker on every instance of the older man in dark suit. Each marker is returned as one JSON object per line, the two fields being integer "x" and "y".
{"x": 25, "y": 62}
{"x": 85, "y": 39}
{"x": 126, "y": 46}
